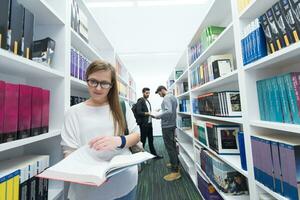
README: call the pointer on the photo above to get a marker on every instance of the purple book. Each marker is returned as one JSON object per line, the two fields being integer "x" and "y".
{"x": 45, "y": 110}
{"x": 269, "y": 165}
{"x": 11, "y": 102}
{"x": 24, "y": 123}
{"x": 80, "y": 67}
{"x": 36, "y": 111}
{"x": 76, "y": 61}
{"x": 277, "y": 167}
{"x": 72, "y": 62}
{"x": 2, "y": 95}
{"x": 295, "y": 78}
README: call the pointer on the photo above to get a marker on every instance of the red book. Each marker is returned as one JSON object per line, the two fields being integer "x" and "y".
{"x": 45, "y": 111}
{"x": 2, "y": 93}
{"x": 24, "y": 111}
{"x": 11, "y": 103}
{"x": 36, "y": 110}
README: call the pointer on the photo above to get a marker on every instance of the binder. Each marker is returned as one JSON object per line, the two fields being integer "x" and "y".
{"x": 45, "y": 110}
{"x": 36, "y": 112}
{"x": 24, "y": 122}
{"x": 4, "y": 22}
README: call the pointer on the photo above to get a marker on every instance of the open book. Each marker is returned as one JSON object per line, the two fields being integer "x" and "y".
{"x": 83, "y": 166}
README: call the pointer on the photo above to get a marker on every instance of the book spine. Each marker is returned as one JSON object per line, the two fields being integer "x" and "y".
{"x": 24, "y": 122}
{"x": 36, "y": 106}
{"x": 277, "y": 167}
{"x": 291, "y": 86}
{"x": 266, "y": 27}
{"x": 260, "y": 39}
{"x": 260, "y": 100}
{"x": 277, "y": 102}
{"x": 45, "y": 110}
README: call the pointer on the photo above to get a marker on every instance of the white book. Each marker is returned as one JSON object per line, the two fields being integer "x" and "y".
{"x": 83, "y": 166}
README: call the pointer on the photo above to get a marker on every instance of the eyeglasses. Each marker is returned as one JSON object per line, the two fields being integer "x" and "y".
{"x": 103, "y": 84}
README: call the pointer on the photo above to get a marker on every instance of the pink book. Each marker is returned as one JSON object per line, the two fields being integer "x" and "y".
{"x": 45, "y": 111}
{"x": 2, "y": 93}
{"x": 24, "y": 111}
{"x": 11, "y": 102}
{"x": 36, "y": 111}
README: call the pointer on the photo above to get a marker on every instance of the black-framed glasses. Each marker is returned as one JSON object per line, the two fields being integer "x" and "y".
{"x": 103, "y": 84}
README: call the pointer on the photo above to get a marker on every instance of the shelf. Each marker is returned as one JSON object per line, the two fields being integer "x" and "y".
{"x": 280, "y": 58}
{"x": 221, "y": 81}
{"x": 274, "y": 194}
{"x": 293, "y": 128}
{"x": 188, "y": 148}
{"x": 184, "y": 113}
{"x": 224, "y": 195}
{"x": 29, "y": 140}
{"x": 83, "y": 47}
{"x": 54, "y": 194}
{"x": 18, "y": 66}
{"x": 222, "y": 44}
{"x": 78, "y": 84}
{"x": 236, "y": 120}
{"x": 46, "y": 14}
{"x": 183, "y": 94}
{"x": 256, "y": 8}
{"x": 186, "y": 161}
{"x": 188, "y": 132}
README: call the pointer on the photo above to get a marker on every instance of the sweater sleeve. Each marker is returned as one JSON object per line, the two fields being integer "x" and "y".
{"x": 167, "y": 104}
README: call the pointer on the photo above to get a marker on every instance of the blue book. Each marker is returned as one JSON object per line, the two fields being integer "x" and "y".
{"x": 253, "y": 41}
{"x": 291, "y": 87}
{"x": 284, "y": 100}
{"x": 276, "y": 100}
{"x": 276, "y": 167}
{"x": 262, "y": 50}
{"x": 259, "y": 89}
{"x": 242, "y": 150}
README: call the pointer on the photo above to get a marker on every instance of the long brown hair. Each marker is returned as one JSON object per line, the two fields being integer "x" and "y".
{"x": 113, "y": 94}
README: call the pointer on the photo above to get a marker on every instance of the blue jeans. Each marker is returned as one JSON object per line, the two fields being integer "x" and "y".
{"x": 130, "y": 196}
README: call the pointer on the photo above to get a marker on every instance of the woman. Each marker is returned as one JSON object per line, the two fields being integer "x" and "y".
{"x": 99, "y": 123}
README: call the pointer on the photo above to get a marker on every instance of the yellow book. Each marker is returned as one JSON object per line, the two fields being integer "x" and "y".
{"x": 10, "y": 189}
{"x": 16, "y": 187}
{"x": 2, "y": 188}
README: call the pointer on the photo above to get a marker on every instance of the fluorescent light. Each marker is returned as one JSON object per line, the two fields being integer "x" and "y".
{"x": 111, "y": 4}
{"x": 171, "y": 2}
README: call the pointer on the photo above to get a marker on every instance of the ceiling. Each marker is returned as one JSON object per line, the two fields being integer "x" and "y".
{"x": 150, "y": 39}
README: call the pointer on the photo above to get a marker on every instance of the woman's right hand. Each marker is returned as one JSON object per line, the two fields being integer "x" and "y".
{"x": 102, "y": 143}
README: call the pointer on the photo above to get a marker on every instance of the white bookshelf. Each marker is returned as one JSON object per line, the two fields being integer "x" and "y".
{"x": 242, "y": 79}
{"x": 52, "y": 19}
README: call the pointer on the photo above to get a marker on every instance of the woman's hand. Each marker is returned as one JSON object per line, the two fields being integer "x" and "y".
{"x": 105, "y": 143}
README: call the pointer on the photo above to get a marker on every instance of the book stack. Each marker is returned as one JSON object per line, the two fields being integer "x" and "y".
{"x": 182, "y": 87}
{"x": 216, "y": 66}
{"x": 184, "y": 105}
{"x": 76, "y": 100}
{"x": 253, "y": 42}
{"x": 207, "y": 190}
{"x": 184, "y": 123}
{"x": 18, "y": 178}
{"x": 242, "y": 4}
{"x": 79, "y": 64}
{"x": 224, "y": 177}
{"x": 279, "y": 98}
{"x": 16, "y": 28}
{"x": 79, "y": 21}
{"x": 24, "y": 111}
{"x": 222, "y": 104}
{"x": 207, "y": 37}
{"x": 281, "y": 24}
{"x": 277, "y": 168}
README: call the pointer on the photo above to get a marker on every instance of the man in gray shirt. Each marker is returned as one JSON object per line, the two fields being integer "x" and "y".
{"x": 168, "y": 125}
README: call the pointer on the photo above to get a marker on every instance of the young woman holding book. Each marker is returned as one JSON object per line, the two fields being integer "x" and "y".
{"x": 99, "y": 123}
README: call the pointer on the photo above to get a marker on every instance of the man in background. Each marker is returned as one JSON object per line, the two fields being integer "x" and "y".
{"x": 144, "y": 120}
{"x": 168, "y": 125}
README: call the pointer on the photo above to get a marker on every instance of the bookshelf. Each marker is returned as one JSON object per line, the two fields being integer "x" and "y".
{"x": 243, "y": 79}
{"x": 52, "y": 19}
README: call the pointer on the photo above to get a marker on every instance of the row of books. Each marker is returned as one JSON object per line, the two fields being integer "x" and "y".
{"x": 278, "y": 167}
{"x": 207, "y": 190}
{"x": 182, "y": 87}
{"x": 184, "y": 122}
{"x": 281, "y": 24}
{"x": 79, "y": 21}
{"x": 222, "y": 104}
{"x": 122, "y": 89}
{"x": 222, "y": 138}
{"x": 242, "y": 4}
{"x": 279, "y": 98}
{"x": 76, "y": 100}
{"x": 207, "y": 37}
{"x": 18, "y": 178}
{"x": 253, "y": 42}
{"x": 214, "y": 67}
{"x": 184, "y": 105}
{"x": 24, "y": 111}
{"x": 16, "y": 33}
{"x": 79, "y": 64}
{"x": 224, "y": 177}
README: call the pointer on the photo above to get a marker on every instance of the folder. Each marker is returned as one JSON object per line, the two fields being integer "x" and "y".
{"x": 36, "y": 111}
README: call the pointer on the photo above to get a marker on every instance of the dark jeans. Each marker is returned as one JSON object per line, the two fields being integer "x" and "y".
{"x": 169, "y": 140}
{"x": 147, "y": 132}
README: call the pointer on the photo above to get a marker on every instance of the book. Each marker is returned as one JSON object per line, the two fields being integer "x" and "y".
{"x": 27, "y": 34}
{"x": 272, "y": 46}
{"x": 83, "y": 166}
{"x": 45, "y": 110}
{"x": 43, "y": 51}
{"x": 24, "y": 122}
{"x": 16, "y": 23}
{"x": 83, "y": 25}
{"x": 4, "y": 21}
{"x": 2, "y": 98}
{"x": 36, "y": 111}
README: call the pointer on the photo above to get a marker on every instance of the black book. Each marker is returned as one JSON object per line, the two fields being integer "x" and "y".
{"x": 27, "y": 34}
{"x": 23, "y": 191}
{"x": 4, "y": 22}
{"x": 16, "y": 25}
{"x": 31, "y": 188}
{"x": 267, "y": 30}
{"x": 287, "y": 12}
{"x": 295, "y": 5}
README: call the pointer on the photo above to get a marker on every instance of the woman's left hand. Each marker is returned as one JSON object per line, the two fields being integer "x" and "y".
{"x": 105, "y": 143}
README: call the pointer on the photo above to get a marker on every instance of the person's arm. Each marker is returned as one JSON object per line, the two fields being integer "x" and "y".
{"x": 168, "y": 108}
{"x": 139, "y": 109}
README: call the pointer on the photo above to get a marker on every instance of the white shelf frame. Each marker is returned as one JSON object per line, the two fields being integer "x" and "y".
{"x": 236, "y": 120}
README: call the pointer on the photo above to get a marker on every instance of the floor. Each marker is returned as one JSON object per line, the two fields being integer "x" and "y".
{"x": 152, "y": 186}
